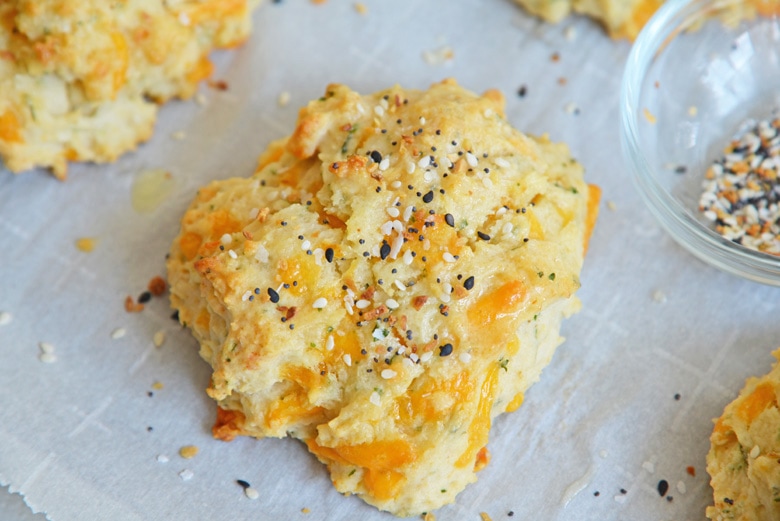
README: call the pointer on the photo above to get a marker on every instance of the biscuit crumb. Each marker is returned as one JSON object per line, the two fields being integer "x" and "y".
{"x": 485, "y": 516}
{"x": 188, "y": 451}
{"x": 86, "y": 244}
{"x": 361, "y": 8}
{"x": 649, "y": 116}
{"x": 284, "y": 99}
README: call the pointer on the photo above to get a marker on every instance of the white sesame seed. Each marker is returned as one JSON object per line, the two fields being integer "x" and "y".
{"x": 232, "y": 254}
{"x": 445, "y": 298}
{"x": 253, "y": 213}
{"x": 5, "y": 318}
{"x": 184, "y": 19}
{"x": 391, "y": 303}
{"x": 448, "y": 257}
{"x": 330, "y": 343}
{"x": 261, "y": 254}
{"x": 395, "y": 185}
{"x": 408, "y": 213}
{"x": 410, "y": 167}
{"x": 755, "y": 452}
{"x": 384, "y": 164}
{"x": 487, "y": 182}
{"x": 246, "y": 295}
{"x": 503, "y": 163}
{"x": 681, "y": 487}
{"x": 408, "y": 257}
{"x": 383, "y": 103}
{"x": 162, "y": 458}
{"x": 284, "y": 98}
{"x": 424, "y": 161}
{"x": 413, "y": 357}
{"x": 488, "y": 113}
{"x": 570, "y": 33}
{"x": 507, "y": 228}
{"x": 400, "y": 285}
{"x": 447, "y": 287}
{"x": 422, "y": 120}
{"x": 375, "y": 399}
{"x": 379, "y": 111}
{"x": 426, "y": 356}
{"x": 471, "y": 159}
{"x": 362, "y": 303}
{"x": 386, "y": 228}
{"x": 398, "y": 242}
{"x": 305, "y": 245}
{"x": 348, "y": 306}
{"x": 388, "y": 374}
{"x": 430, "y": 176}
{"x": 48, "y": 358}
{"x": 186, "y": 474}
{"x": 465, "y": 358}
{"x": 46, "y": 347}
{"x": 375, "y": 251}
{"x": 251, "y": 493}
{"x": 118, "y": 333}
{"x": 226, "y": 239}
{"x": 393, "y": 211}
{"x": 320, "y": 303}
{"x": 159, "y": 338}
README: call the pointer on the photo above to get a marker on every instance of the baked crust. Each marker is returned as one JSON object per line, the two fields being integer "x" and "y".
{"x": 80, "y": 80}
{"x": 392, "y": 277}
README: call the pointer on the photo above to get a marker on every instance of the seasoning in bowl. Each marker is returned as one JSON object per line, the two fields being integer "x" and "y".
{"x": 742, "y": 190}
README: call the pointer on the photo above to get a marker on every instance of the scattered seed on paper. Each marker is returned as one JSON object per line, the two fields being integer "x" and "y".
{"x": 284, "y": 99}
{"x": 5, "y": 318}
{"x": 186, "y": 474}
{"x": 611, "y": 205}
{"x": 251, "y": 493}
{"x": 118, "y": 333}
{"x": 162, "y": 458}
{"x": 48, "y": 358}
{"x": 46, "y": 347}
{"x": 659, "y": 296}
{"x": 159, "y": 338}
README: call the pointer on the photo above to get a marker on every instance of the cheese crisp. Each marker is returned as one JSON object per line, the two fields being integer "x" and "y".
{"x": 744, "y": 461}
{"x": 625, "y": 18}
{"x": 80, "y": 80}
{"x": 392, "y": 277}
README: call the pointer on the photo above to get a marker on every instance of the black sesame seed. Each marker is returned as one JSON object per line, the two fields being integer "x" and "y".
{"x": 427, "y": 198}
{"x": 469, "y": 283}
{"x": 522, "y": 91}
{"x": 483, "y": 236}
{"x": 144, "y": 297}
{"x": 329, "y": 255}
{"x": 244, "y": 484}
{"x": 677, "y": 396}
{"x": 449, "y": 219}
{"x": 663, "y": 487}
{"x": 366, "y": 254}
{"x": 384, "y": 250}
{"x": 728, "y": 501}
{"x": 445, "y": 350}
{"x": 257, "y": 291}
{"x": 274, "y": 295}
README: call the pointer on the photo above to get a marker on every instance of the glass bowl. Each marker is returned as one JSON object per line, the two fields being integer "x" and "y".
{"x": 697, "y": 72}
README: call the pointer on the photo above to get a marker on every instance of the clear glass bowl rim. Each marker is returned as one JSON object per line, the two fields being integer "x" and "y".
{"x": 702, "y": 242}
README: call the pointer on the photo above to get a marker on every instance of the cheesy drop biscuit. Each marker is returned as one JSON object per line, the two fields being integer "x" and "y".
{"x": 80, "y": 80}
{"x": 392, "y": 277}
{"x": 744, "y": 459}
{"x": 625, "y": 18}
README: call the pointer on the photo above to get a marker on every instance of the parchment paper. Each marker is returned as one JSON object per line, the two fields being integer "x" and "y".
{"x": 88, "y": 436}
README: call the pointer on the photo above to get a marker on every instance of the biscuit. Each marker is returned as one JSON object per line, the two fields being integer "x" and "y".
{"x": 80, "y": 80}
{"x": 625, "y": 18}
{"x": 392, "y": 277}
{"x": 744, "y": 458}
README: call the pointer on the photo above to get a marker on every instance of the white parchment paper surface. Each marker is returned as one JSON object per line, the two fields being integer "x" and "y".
{"x": 82, "y": 438}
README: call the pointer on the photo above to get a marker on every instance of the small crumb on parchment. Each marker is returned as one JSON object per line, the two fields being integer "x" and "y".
{"x": 86, "y": 244}
{"x": 162, "y": 458}
{"x": 284, "y": 99}
{"x": 361, "y": 8}
{"x": 186, "y": 474}
{"x": 611, "y": 205}
{"x": 649, "y": 116}
{"x": 159, "y": 338}
{"x": 118, "y": 333}
{"x": 189, "y": 451}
